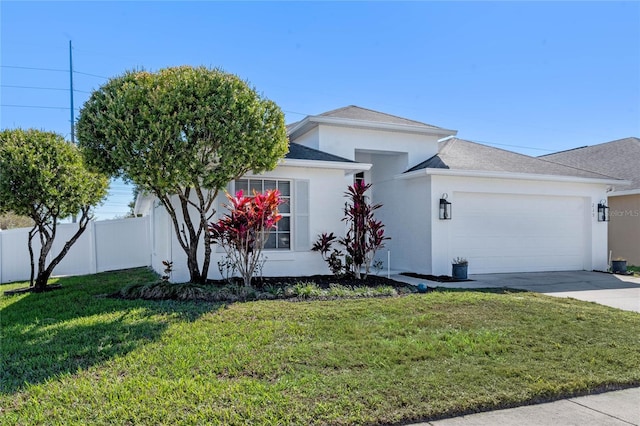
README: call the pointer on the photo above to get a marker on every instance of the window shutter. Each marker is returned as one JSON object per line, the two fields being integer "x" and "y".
{"x": 301, "y": 222}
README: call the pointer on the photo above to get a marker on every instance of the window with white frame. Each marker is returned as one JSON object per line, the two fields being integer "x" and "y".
{"x": 280, "y": 237}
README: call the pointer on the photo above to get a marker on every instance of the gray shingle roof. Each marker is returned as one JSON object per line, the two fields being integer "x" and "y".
{"x": 353, "y": 112}
{"x": 619, "y": 158}
{"x": 460, "y": 154}
{"x": 301, "y": 152}
{"x": 291, "y": 126}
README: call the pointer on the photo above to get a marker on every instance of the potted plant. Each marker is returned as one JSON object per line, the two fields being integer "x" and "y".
{"x": 459, "y": 267}
{"x": 619, "y": 266}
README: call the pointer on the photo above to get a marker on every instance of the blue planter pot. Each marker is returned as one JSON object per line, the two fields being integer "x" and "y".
{"x": 459, "y": 271}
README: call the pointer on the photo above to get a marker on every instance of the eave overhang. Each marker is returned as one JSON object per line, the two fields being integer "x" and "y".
{"x": 623, "y": 193}
{"x": 510, "y": 175}
{"x": 348, "y": 167}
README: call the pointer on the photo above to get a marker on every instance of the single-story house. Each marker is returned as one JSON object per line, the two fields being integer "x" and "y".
{"x": 619, "y": 158}
{"x": 505, "y": 212}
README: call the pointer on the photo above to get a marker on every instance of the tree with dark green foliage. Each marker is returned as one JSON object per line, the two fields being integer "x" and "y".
{"x": 182, "y": 134}
{"x": 44, "y": 177}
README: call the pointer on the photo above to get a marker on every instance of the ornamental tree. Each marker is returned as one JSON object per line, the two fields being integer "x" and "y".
{"x": 243, "y": 232}
{"x": 182, "y": 134}
{"x": 365, "y": 235}
{"x": 45, "y": 178}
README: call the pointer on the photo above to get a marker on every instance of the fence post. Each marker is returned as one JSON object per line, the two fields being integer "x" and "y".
{"x": 1, "y": 281}
{"x": 93, "y": 248}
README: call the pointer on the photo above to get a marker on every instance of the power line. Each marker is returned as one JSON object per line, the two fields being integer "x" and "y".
{"x": 90, "y": 75}
{"x": 511, "y": 146}
{"x": 33, "y": 68}
{"x": 36, "y": 106}
{"x": 52, "y": 69}
{"x": 42, "y": 88}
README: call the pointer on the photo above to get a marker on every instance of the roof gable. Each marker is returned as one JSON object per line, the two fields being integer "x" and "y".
{"x": 353, "y": 112}
{"x": 460, "y": 154}
{"x": 619, "y": 158}
{"x": 355, "y": 116}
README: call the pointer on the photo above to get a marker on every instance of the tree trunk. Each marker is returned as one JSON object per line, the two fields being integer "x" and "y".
{"x": 41, "y": 281}
{"x": 187, "y": 234}
{"x": 192, "y": 263}
{"x": 193, "y": 239}
{"x": 46, "y": 242}
{"x": 32, "y": 233}
{"x": 44, "y": 271}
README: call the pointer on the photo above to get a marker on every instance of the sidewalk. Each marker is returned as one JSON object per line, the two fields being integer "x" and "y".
{"x": 617, "y": 408}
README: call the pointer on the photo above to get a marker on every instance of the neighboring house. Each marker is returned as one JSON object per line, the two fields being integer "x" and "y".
{"x": 619, "y": 158}
{"x": 509, "y": 212}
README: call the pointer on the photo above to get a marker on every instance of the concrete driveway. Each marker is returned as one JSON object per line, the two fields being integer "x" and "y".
{"x": 618, "y": 291}
{"x": 622, "y": 292}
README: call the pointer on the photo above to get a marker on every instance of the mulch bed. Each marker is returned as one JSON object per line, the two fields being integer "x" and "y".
{"x": 323, "y": 281}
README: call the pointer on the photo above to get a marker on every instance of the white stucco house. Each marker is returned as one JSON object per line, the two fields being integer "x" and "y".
{"x": 508, "y": 212}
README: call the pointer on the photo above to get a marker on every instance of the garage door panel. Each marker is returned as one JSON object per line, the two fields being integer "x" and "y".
{"x": 505, "y": 225}
{"x": 518, "y": 233}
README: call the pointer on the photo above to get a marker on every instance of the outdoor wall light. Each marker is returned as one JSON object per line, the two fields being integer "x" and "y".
{"x": 445, "y": 208}
{"x": 603, "y": 211}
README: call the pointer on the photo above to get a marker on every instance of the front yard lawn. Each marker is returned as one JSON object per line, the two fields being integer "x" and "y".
{"x": 72, "y": 356}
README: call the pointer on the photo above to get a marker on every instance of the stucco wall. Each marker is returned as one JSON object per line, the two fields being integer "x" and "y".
{"x": 326, "y": 188}
{"x": 400, "y": 207}
{"x": 410, "y": 226}
{"x": 344, "y": 141}
{"x": 624, "y": 227}
{"x": 311, "y": 139}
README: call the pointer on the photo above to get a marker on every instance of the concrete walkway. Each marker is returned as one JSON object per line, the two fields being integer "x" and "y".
{"x": 610, "y": 408}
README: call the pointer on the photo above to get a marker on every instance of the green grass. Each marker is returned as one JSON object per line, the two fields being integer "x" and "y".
{"x": 635, "y": 270}
{"x": 72, "y": 357}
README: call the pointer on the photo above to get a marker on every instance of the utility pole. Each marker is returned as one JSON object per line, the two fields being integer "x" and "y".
{"x": 73, "y": 139}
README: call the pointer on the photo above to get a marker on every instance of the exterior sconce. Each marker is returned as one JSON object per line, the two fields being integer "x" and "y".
{"x": 445, "y": 208}
{"x": 603, "y": 211}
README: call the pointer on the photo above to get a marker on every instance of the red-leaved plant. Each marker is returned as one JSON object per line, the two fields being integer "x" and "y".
{"x": 365, "y": 234}
{"x": 243, "y": 232}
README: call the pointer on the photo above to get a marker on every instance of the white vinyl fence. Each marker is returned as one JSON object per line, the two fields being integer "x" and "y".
{"x": 104, "y": 246}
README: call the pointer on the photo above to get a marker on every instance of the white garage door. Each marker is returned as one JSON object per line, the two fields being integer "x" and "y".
{"x": 518, "y": 233}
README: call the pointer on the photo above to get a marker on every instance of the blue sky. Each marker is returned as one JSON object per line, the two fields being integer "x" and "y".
{"x": 533, "y": 77}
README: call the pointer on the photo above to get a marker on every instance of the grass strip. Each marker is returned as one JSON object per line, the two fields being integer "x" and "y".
{"x": 73, "y": 357}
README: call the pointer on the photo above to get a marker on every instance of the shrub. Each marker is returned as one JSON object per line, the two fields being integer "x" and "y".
{"x": 365, "y": 235}
{"x": 243, "y": 232}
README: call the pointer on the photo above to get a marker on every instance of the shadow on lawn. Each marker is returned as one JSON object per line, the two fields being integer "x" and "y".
{"x": 49, "y": 334}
